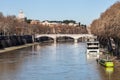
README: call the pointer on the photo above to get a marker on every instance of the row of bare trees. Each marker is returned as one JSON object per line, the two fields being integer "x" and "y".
{"x": 10, "y": 25}
{"x": 107, "y": 28}
{"x": 60, "y": 29}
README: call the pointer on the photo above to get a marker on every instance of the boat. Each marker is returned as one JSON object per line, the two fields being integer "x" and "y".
{"x": 106, "y": 63}
{"x": 93, "y": 48}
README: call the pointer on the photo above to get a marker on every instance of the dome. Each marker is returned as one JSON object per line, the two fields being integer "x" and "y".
{"x": 21, "y": 14}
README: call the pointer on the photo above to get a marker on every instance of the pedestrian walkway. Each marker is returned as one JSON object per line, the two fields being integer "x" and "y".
{"x": 16, "y": 47}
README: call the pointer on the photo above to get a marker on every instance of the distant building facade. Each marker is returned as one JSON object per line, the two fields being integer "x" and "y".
{"x": 35, "y": 22}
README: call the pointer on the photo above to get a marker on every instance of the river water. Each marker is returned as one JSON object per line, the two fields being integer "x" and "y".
{"x": 63, "y": 61}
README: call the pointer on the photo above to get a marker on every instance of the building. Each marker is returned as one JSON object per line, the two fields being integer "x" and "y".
{"x": 21, "y": 16}
{"x": 50, "y": 24}
{"x": 73, "y": 24}
{"x": 35, "y": 22}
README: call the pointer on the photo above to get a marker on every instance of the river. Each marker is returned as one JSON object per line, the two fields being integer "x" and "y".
{"x": 62, "y": 61}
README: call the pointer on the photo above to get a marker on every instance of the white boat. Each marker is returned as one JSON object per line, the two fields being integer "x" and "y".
{"x": 93, "y": 49}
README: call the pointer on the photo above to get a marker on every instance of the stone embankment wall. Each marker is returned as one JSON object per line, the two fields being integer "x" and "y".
{"x": 9, "y": 41}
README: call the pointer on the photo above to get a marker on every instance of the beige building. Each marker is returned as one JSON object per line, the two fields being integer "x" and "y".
{"x": 35, "y": 22}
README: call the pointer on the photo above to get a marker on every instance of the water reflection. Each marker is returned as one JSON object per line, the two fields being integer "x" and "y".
{"x": 52, "y": 62}
{"x": 109, "y": 71}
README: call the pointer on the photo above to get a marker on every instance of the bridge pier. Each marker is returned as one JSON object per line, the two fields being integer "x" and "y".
{"x": 75, "y": 40}
{"x": 83, "y": 39}
{"x": 55, "y": 41}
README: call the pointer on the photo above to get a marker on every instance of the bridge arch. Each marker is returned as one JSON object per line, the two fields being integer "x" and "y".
{"x": 84, "y": 38}
{"x": 45, "y": 39}
{"x": 65, "y": 38}
{"x": 50, "y": 36}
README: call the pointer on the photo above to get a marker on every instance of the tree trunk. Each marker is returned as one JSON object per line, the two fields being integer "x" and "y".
{"x": 109, "y": 44}
{"x": 116, "y": 52}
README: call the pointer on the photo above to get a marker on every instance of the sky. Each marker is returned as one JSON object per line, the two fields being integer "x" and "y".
{"x": 84, "y": 11}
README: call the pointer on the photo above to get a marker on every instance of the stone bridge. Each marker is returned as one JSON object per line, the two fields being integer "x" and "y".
{"x": 74, "y": 36}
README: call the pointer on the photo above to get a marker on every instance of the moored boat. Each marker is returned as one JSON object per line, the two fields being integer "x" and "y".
{"x": 106, "y": 63}
{"x": 93, "y": 48}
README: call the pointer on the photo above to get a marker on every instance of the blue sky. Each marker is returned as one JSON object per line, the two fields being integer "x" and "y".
{"x": 84, "y": 11}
